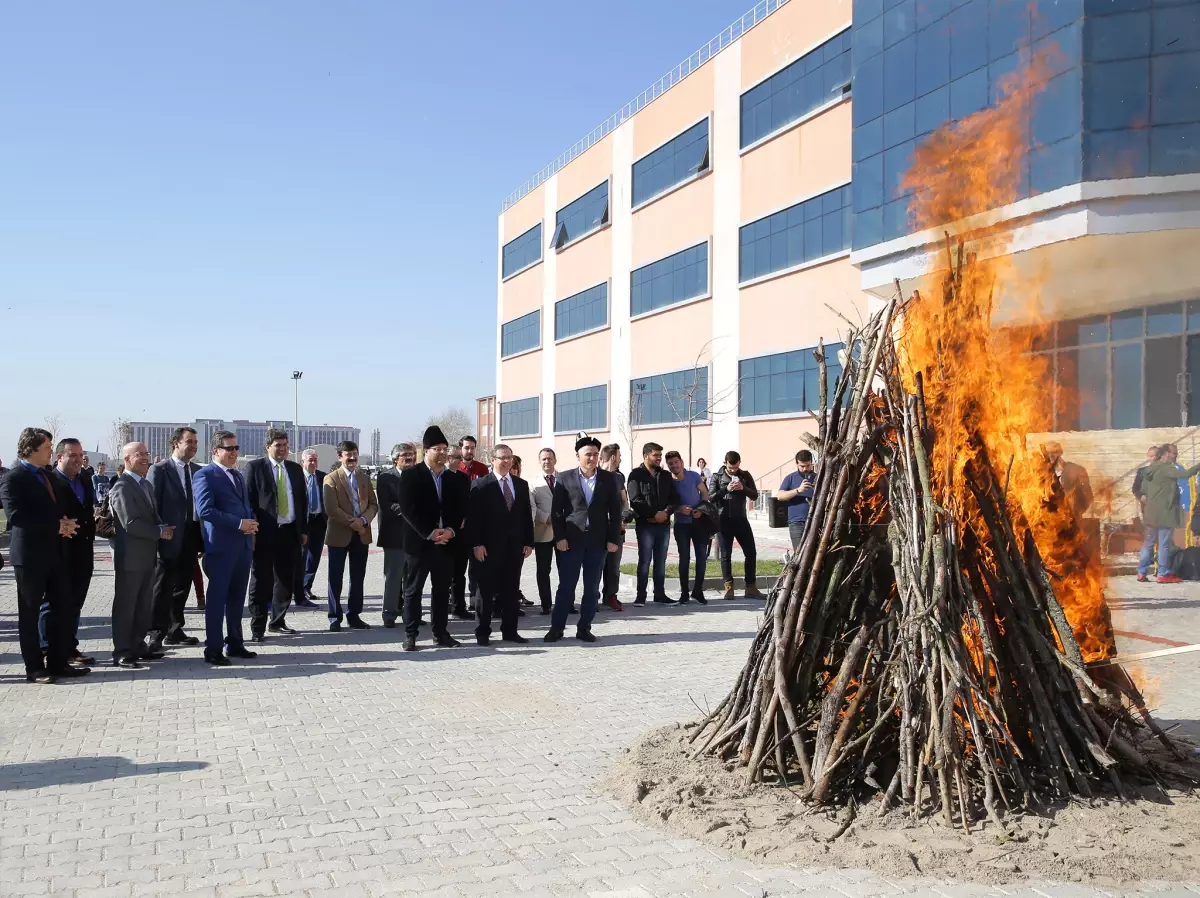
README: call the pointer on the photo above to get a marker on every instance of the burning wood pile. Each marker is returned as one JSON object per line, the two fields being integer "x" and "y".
{"x": 939, "y": 639}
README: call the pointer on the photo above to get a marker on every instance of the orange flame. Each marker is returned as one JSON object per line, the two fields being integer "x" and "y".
{"x": 981, "y": 381}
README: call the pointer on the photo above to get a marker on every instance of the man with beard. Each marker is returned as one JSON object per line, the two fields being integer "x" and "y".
{"x": 171, "y": 481}
{"x": 692, "y": 531}
{"x": 434, "y": 507}
{"x": 653, "y": 497}
{"x": 462, "y": 600}
{"x": 391, "y": 531}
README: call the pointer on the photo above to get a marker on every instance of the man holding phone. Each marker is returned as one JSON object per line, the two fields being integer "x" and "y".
{"x": 796, "y": 490}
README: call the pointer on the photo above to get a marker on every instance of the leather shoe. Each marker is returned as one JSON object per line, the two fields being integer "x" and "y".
{"x": 155, "y": 645}
{"x": 448, "y": 642}
{"x": 410, "y": 645}
{"x": 545, "y": 611}
{"x": 574, "y": 609}
{"x": 335, "y": 626}
{"x": 389, "y": 623}
{"x": 282, "y": 628}
{"x": 78, "y": 657}
{"x": 357, "y": 623}
{"x": 129, "y": 662}
{"x": 585, "y": 636}
{"x": 243, "y": 652}
{"x": 520, "y": 612}
{"x": 483, "y": 641}
{"x": 218, "y": 660}
{"x": 553, "y": 635}
{"x": 515, "y": 637}
{"x": 69, "y": 671}
{"x": 39, "y": 676}
{"x": 526, "y": 603}
{"x": 305, "y": 602}
{"x": 700, "y": 599}
{"x": 259, "y": 637}
{"x": 463, "y": 614}
{"x": 151, "y": 656}
{"x": 664, "y": 600}
{"x": 181, "y": 640}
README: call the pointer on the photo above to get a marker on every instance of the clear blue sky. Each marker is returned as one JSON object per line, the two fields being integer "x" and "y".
{"x": 246, "y": 188}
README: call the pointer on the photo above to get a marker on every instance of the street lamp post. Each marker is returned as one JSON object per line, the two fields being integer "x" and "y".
{"x": 296, "y": 375}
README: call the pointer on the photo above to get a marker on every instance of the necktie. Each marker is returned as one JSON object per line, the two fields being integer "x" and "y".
{"x": 550, "y": 481}
{"x": 145, "y": 485}
{"x": 314, "y": 498}
{"x": 352, "y": 486}
{"x": 48, "y": 485}
{"x": 281, "y": 496}
{"x": 508, "y": 496}
{"x": 187, "y": 490}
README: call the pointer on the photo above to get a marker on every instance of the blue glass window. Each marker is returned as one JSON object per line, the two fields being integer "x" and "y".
{"x": 585, "y": 409}
{"x": 785, "y": 383}
{"x": 582, "y": 312}
{"x": 792, "y": 93}
{"x": 521, "y": 334}
{"x": 1175, "y": 89}
{"x": 676, "y": 160}
{"x": 669, "y": 398}
{"x": 676, "y": 278}
{"x": 522, "y": 251}
{"x": 809, "y": 230}
{"x": 585, "y": 214}
{"x": 521, "y": 417}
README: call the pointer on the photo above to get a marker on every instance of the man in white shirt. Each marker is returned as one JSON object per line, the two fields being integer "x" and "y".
{"x": 275, "y": 489}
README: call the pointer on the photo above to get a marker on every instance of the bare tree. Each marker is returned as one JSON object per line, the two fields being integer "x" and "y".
{"x": 454, "y": 422}
{"x": 118, "y": 435}
{"x": 54, "y": 424}
{"x": 628, "y": 422}
{"x": 694, "y": 401}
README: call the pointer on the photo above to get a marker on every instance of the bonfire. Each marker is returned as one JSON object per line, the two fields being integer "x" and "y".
{"x": 940, "y": 638}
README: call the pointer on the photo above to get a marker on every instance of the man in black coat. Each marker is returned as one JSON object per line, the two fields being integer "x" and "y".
{"x": 586, "y": 515}
{"x": 77, "y": 500}
{"x": 275, "y": 489}
{"x": 434, "y": 508}
{"x": 175, "y": 569}
{"x": 500, "y": 525}
{"x": 318, "y": 520}
{"x": 391, "y": 531}
{"x": 31, "y": 499}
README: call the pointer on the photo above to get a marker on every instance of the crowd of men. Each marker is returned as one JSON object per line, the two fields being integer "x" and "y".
{"x": 444, "y": 518}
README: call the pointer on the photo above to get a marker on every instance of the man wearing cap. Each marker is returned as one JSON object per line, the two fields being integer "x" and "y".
{"x": 586, "y": 515}
{"x": 434, "y": 508}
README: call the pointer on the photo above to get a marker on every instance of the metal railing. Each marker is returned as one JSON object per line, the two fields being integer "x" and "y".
{"x": 653, "y": 92}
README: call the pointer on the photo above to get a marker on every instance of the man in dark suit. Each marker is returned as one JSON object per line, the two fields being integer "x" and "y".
{"x": 275, "y": 489}
{"x": 391, "y": 531}
{"x": 171, "y": 480}
{"x": 77, "y": 500}
{"x": 500, "y": 530}
{"x": 587, "y": 525}
{"x": 227, "y": 525}
{"x": 139, "y": 530}
{"x": 434, "y": 508}
{"x": 38, "y": 525}
{"x": 310, "y": 552}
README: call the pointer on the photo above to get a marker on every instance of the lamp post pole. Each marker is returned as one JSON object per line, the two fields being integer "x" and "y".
{"x": 296, "y": 375}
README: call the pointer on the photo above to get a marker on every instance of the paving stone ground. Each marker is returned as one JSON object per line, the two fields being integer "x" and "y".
{"x": 336, "y": 765}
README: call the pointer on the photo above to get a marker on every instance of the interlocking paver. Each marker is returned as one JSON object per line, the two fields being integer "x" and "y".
{"x": 336, "y": 765}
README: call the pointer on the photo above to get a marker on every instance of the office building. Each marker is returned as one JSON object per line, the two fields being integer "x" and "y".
{"x": 251, "y": 435}
{"x": 667, "y": 277}
{"x": 485, "y": 422}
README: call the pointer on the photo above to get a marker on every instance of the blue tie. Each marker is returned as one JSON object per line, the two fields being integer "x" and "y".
{"x": 314, "y": 500}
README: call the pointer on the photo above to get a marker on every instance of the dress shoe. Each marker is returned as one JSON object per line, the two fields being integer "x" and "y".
{"x": 155, "y": 645}
{"x": 585, "y": 636}
{"x": 545, "y": 611}
{"x": 335, "y": 626}
{"x": 357, "y": 623}
{"x": 483, "y": 641}
{"x": 282, "y": 628}
{"x": 553, "y": 635}
{"x": 259, "y": 637}
{"x": 752, "y": 592}
{"x": 309, "y": 597}
{"x": 181, "y": 639}
{"x": 151, "y": 656}
{"x": 727, "y": 593}
{"x": 217, "y": 660}
{"x": 462, "y": 614}
{"x": 525, "y": 602}
{"x": 243, "y": 652}
{"x": 699, "y": 597}
{"x": 520, "y": 612}
{"x": 448, "y": 642}
{"x": 515, "y": 637}
{"x": 39, "y": 676}
{"x": 305, "y": 602}
{"x": 614, "y": 603}
{"x": 389, "y": 623}
{"x": 664, "y": 600}
{"x": 69, "y": 671}
{"x": 128, "y": 662}
{"x": 574, "y": 609}
{"x": 410, "y": 645}
{"x": 78, "y": 657}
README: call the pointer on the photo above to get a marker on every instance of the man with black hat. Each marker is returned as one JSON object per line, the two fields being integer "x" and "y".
{"x": 434, "y": 508}
{"x": 586, "y": 515}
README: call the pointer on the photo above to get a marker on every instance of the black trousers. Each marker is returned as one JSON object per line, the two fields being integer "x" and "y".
{"x": 34, "y": 586}
{"x": 739, "y": 529}
{"x": 311, "y": 556}
{"x": 466, "y": 576}
{"x": 273, "y": 576}
{"x": 500, "y": 586}
{"x": 544, "y": 554}
{"x": 79, "y": 558}
{"x": 436, "y": 564}
{"x": 172, "y": 582}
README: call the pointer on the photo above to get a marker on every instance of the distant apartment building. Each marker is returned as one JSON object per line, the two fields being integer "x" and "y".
{"x": 667, "y": 277}
{"x": 485, "y": 422}
{"x": 251, "y": 435}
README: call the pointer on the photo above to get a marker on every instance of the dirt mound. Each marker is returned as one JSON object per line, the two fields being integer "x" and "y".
{"x": 1099, "y": 842}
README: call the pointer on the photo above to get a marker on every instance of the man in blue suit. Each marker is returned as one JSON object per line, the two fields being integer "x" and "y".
{"x": 228, "y": 525}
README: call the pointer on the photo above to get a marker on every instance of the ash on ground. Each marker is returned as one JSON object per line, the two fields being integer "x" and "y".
{"x": 1101, "y": 841}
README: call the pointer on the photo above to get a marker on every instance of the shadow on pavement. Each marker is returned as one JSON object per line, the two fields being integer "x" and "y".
{"x": 72, "y": 771}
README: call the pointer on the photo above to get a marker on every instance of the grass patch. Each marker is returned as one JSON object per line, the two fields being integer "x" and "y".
{"x": 767, "y": 567}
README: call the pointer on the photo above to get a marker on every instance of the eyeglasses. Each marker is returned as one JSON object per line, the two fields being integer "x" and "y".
{"x": 228, "y": 448}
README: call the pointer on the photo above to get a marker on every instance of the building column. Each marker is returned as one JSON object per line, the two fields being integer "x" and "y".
{"x": 727, "y": 213}
{"x": 620, "y": 210}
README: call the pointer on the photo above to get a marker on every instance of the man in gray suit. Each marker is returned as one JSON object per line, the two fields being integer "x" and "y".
{"x": 135, "y": 551}
{"x": 171, "y": 480}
